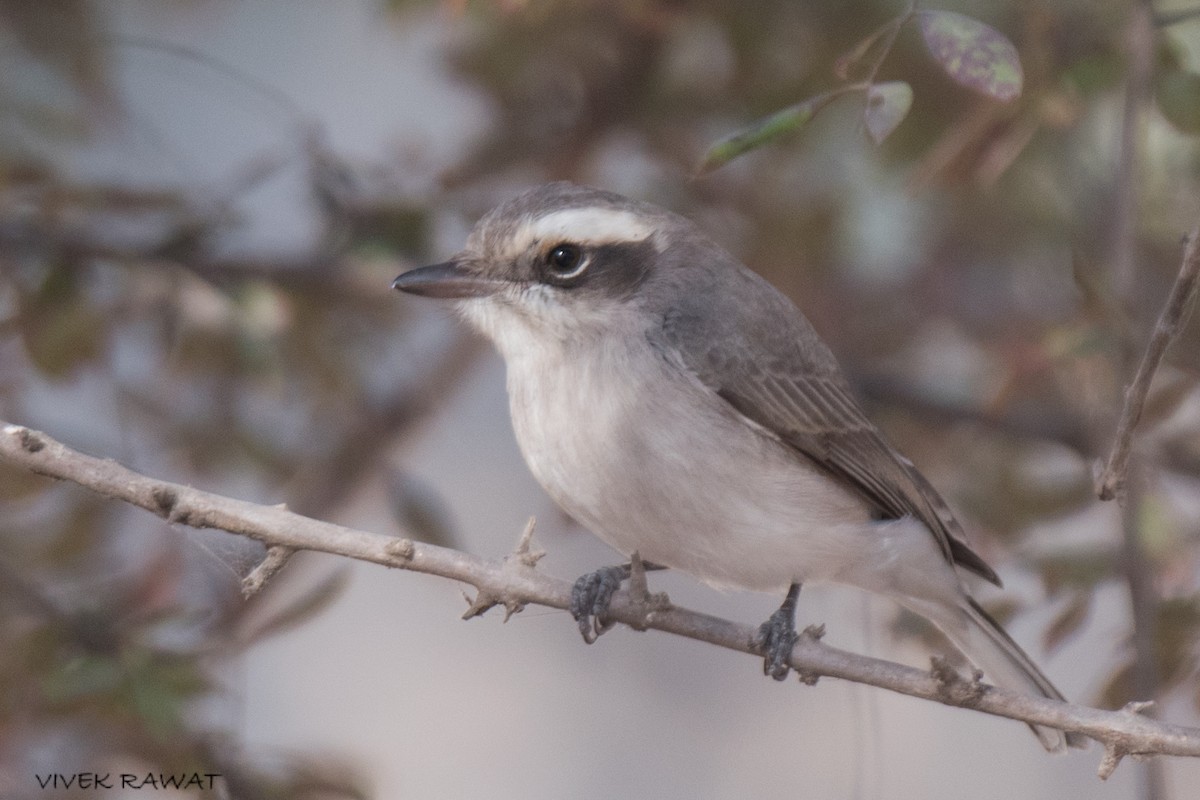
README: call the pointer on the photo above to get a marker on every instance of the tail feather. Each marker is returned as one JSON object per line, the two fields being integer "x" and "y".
{"x": 982, "y": 640}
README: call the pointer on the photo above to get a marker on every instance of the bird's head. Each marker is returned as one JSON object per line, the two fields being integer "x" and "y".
{"x": 558, "y": 262}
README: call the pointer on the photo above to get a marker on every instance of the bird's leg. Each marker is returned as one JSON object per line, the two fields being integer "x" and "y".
{"x": 777, "y": 636}
{"x": 591, "y": 595}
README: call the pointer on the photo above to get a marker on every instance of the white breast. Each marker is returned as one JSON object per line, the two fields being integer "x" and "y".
{"x": 649, "y": 460}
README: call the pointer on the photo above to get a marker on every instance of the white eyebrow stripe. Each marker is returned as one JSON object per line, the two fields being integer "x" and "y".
{"x": 585, "y": 226}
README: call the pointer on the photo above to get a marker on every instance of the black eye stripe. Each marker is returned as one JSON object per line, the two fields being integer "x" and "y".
{"x": 566, "y": 261}
{"x": 609, "y": 268}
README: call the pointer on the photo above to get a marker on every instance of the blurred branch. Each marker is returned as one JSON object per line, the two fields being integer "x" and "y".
{"x": 514, "y": 582}
{"x": 1043, "y": 425}
{"x": 322, "y": 483}
{"x": 1139, "y": 43}
{"x": 1139, "y": 39}
{"x": 183, "y": 244}
{"x": 1111, "y": 481}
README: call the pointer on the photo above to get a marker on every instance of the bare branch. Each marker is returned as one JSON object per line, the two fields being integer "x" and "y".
{"x": 514, "y": 582}
{"x": 277, "y": 557}
{"x": 1114, "y": 481}
{"x": 1111, "y": 480}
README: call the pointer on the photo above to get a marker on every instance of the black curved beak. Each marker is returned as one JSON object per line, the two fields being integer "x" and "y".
{"x": 447, "y": 280}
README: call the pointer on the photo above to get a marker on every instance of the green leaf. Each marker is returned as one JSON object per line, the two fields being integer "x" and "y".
{"x": 887, "y": 105}
{"x": 765, "y": 130}
{"x": 80, "y": 677}
{"x": 158, "y": 705}
{"x": 1178, "y": 96}
{"x": 973, "y": 54}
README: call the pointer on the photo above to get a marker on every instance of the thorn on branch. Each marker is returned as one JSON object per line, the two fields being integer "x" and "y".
{"x": 639, "y": 588}
{"x": 1123, "y": 733}
{"x": 812, "y": 634}
{"x": 639, "y": 593}
{"x": 1115, "y": 749}
{"x": 524, "y": 553}
{"x": 512, "y": 607}
{"x": 1136, "y": 707}
{"x": 480, "y": 605}
{"x": 1113, "y": 753}
{"x": 274, "y": 561}
{"x": 1111, "y": 477}
{"x": 523, "y": 556}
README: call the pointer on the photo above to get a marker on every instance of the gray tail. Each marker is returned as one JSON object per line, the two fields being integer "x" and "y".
{"x": 982, "y": 640}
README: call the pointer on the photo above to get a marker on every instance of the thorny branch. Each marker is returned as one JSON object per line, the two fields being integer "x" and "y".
{"x": 515, "y": 582}
{"x": 1111, "y": 480}
{"x": 1115, "y": 479}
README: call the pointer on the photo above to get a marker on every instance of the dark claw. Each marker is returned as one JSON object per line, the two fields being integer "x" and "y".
{"x": 590, "y": 598}
{"x": 777, "y": 636}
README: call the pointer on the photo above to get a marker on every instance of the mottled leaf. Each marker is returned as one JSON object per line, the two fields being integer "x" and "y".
{"x": 887, "y": 105}
{"x": 973, "y": 54}
{"x": 765, "y": 130}
{"x": 1178, "y": 96}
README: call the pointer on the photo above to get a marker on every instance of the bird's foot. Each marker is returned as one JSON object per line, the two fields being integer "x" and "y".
{"x": 590, "y": 597}
{"x": 777, "y": 636}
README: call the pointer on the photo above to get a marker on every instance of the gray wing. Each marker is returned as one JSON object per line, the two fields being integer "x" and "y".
{"x": 761, "y": 356}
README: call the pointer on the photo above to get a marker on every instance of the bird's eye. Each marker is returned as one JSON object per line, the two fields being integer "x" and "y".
{"x": 566, "y": 261}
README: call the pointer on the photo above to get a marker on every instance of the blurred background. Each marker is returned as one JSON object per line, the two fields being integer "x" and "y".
{"x": 202, "y": 205}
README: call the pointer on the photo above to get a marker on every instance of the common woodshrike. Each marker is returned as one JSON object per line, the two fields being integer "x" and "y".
{"x": 679, "y": 407}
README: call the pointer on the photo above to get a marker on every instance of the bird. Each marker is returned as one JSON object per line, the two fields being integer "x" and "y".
{"x": 687, "y": 413}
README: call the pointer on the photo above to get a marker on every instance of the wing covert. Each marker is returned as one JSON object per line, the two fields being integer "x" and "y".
{"x": 784, "y": 379}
